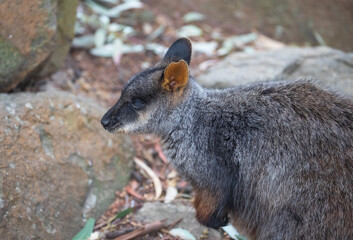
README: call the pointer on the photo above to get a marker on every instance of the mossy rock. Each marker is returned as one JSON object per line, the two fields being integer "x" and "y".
{"x": 35, "y": 37}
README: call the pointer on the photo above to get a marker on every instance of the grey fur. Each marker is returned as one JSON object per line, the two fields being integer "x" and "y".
{"x": 278, "y": 154}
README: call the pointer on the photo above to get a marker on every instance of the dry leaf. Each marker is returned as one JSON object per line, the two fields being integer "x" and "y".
{"x": 171, "y": 194}
{"x": 156, "y": 182}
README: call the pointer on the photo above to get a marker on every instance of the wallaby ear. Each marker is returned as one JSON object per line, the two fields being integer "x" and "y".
{"x": 176, "y": 76}
{"x": 180, "y": 50}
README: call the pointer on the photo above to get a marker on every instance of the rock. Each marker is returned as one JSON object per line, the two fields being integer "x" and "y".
{"x": 331, "y": 67}
{"x": 58, "y": 166}
{"x": 155, "y": 211}
{"x": 35, "y": 36}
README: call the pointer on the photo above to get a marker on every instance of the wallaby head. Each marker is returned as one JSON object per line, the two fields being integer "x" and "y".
{"x": 149, "y": 96}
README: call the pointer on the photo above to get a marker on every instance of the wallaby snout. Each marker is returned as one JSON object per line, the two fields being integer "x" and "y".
{"x": 105, "y": 121}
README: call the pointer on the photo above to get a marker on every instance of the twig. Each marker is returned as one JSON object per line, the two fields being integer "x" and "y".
{"x": 174, "y": 223}
{"x": 113, "y": 220}
{"x": 118, "y": 233}
{"x": 153, "y": 227}
{"x": 133, "y": 193}
{"x": 161, "y": 155}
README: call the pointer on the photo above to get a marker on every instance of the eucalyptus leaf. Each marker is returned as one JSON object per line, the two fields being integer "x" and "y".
{"x": 156, "y": 48}
{"x": 79, "y": 28}
{"x": 118, "y": 51}
{"x": 85, "y": 231}
{"x": 156, "y": 33}
{"x": 116, "y": 11}
{"x": 99, "y": 9}
{"x": 232, "y": 232}
{"x": 171, "y": 194}
{"x": 189, "y": 31}
{"x": 123, "y": 213}
{"x": 110, "y": 38}
{"x": 108, "y": 50}
{"x": 182, "y": 233}
{"x": 236, "y": 42}
{"x": 207, "y": 48}
{"x": 99, "y": 37}
{"x": 193, "y": 16}
{"x": 132, "y": 48}
{"x": 86, "y": 41}
{"x": 110, "y": 1}
{"x": 115, "y": 27}
{"x": 103, "y": 51}
{"x": 104, "y": 20}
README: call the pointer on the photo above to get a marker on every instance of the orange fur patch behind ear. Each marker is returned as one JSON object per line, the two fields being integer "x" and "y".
{"x": 176, "y": 76}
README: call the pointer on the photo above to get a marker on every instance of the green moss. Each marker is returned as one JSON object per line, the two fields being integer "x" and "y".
{"x": 104, "y": 189}
{"x": 11, "y": 59}
{"x": 122, "y": 169}
{"x": 66, "y": 18}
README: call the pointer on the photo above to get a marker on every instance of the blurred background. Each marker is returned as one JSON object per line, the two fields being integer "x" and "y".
{"x": 64, "y": 63}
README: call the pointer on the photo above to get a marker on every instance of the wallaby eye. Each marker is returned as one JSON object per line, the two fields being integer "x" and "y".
{"x": 138, "y": 104}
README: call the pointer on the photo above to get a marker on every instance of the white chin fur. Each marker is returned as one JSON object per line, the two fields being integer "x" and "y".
{"x": 127, "y": 129}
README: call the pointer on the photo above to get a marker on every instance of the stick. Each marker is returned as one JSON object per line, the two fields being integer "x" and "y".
{"x": 153, "y": 227}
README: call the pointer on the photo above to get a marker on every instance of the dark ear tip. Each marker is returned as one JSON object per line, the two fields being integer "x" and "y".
{"x": 185, "y": 40}
{"x": 180, "y": 49}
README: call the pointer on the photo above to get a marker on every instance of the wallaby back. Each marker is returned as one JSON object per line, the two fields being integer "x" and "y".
{"x": 275, "y": 157}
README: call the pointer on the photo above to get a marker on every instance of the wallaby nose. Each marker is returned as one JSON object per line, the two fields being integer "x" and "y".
{"x": 105, "y": 121}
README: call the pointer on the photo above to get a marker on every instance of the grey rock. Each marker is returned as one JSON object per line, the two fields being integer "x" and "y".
{"x": 58, "y": 166}
{"x": 332, "y": 68}
{"x": 155, "y": 211}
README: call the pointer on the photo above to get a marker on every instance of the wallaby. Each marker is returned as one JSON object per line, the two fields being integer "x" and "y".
{"x": 276, "y": 158}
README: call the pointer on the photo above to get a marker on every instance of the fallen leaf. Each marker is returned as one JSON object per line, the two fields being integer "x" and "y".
{"x": 103, "y": 51}
{"x": 171, "y": 194}
{"x": 207, "y": 64}
{"x": 86, "y": 41}
{"x": 182, "y": 233}
{"x": 158, "y": 49}
{"x": 189, "y": 31}
{"x": 265, "y": 43}
{"x": 115, "y": 11}
{"x": 232, "y": 232}
{"x": 99, "y": 37}
{"x": 117, "y": 52}
{"x": 108, "y": 50}
{"x": 238, "y": 41}
{"x": 193, "y": 16}
{"x": 207, "y": 48}
{"x": 85, "y": 231}
{"x": 95, "y": 235}
{"x": 156, "y": 33}
{"x": 172, "y": 174}
{"x": 123, "y": 213}
{"x": 156, "y": 182}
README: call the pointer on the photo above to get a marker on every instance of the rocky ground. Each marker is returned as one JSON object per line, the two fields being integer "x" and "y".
{"x": 77, "y": 95}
